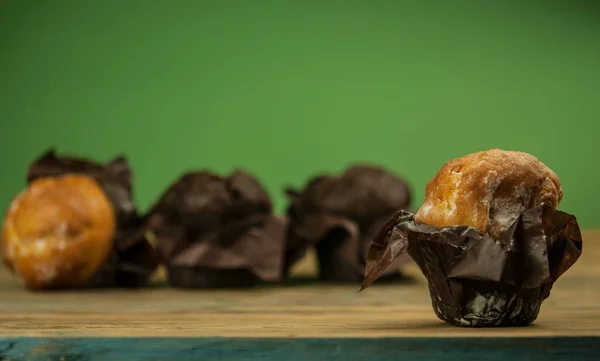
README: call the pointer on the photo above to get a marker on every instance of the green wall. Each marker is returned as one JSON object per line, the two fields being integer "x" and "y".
{"x": 290, "y": 88}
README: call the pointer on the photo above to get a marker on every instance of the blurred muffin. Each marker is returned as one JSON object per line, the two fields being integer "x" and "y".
{"x": 58, "y": 232}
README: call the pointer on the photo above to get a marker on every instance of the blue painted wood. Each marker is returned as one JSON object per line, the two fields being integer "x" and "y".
{"x": 303, "y": 349}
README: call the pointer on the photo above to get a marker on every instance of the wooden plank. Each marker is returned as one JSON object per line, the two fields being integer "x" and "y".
{"x": 299, "y": 310}
{"x": 330, "y": 349}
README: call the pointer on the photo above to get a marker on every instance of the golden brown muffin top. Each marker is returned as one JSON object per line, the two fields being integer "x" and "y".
{"x": 58, "y": 231}
{"x": 488, "y": 190}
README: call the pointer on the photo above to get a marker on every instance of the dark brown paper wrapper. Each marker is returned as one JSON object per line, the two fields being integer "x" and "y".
{"x": 478, "y": 281}
{"x": 132, "y": 260}
{"x": 218, "y": 232}
{"x": 339, "y": 216}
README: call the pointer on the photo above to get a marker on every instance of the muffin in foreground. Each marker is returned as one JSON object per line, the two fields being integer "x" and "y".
{"x": 488, "y": 238}
{"x": 488, "y": 190}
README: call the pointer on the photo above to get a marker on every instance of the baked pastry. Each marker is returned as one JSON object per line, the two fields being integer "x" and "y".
{"x": 488, "y": 190}
{"x": 132, "y": 260}
{"x": 217, "y": 231}
{"x": 488, "y": 238}
{"x": 338, "y": 215}
{"x": 58, "y": 232}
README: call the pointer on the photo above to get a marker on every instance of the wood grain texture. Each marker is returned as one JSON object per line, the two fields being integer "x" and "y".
{"x": 254, "y": 349}
{"x": 298, "y": 310}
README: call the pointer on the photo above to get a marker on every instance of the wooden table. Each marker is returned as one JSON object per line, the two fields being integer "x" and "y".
{"x": 300, "y": 321}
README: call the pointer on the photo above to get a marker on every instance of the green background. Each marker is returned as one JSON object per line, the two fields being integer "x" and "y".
{"x": 287, "y": 89}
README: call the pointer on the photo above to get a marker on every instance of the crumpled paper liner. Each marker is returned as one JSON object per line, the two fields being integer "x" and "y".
{"x": 218, "y": 232}
{"x": 132, "y": 260}
{"x": 339, "y": 216}
{"x": 475, "y": 280}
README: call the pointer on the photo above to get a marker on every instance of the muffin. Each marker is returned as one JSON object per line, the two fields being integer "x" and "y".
{"x": 66, "y": 203}
{"x": 339, "y": 215}
{"x": 488, "y": 191}
{"x": 58, "y": 232}
{"x": 488, "y": 238}
{"x": 217, "y": 231}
